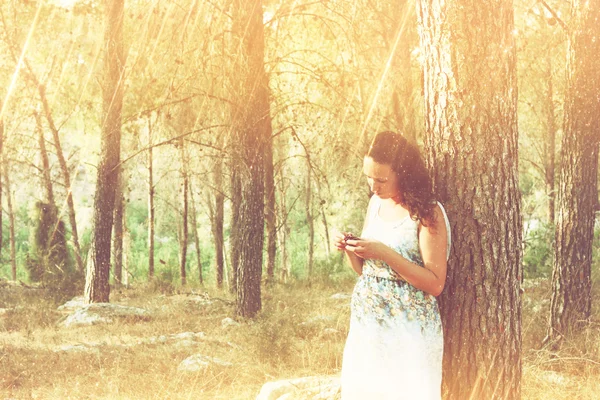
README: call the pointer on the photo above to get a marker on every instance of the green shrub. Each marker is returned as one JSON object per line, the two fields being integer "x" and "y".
{"x": 538, "y": 251}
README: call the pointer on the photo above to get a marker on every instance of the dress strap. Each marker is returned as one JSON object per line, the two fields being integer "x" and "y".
{"x": 447, "y": 221}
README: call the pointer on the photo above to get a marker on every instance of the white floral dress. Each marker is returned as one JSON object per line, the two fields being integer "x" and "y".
{"x": 395, "y": 343}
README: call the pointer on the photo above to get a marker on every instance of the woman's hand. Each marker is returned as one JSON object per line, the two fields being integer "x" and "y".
{"x": 366, "y": 248}
{"x": 339, "y": 239}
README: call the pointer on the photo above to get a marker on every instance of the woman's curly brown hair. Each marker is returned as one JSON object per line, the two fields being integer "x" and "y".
{"x": 415, "y": 184}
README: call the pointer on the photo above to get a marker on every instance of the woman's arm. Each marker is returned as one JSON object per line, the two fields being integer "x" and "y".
{"x": 433, "y": 245}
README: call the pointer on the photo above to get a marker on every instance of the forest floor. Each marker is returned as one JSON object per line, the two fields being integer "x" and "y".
{"x": 301, "y": 332}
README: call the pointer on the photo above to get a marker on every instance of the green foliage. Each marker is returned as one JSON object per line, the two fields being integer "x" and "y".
{"x": 49, "y": 262}
{"x": 538, "y": 250}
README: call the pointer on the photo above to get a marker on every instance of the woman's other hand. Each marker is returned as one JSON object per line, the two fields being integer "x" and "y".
{"x": 366, "y": 248}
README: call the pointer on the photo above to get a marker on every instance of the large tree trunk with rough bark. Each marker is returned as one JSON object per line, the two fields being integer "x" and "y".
{"x": 97, "y": 287}
{"x": 252, "y": 124}
{"x": 1, "y": 178}
{"x": 577, "y": 189}
{"x": 471, "y": 141}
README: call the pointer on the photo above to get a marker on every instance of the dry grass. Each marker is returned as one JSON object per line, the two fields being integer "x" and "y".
{"x": 293, "y": 337}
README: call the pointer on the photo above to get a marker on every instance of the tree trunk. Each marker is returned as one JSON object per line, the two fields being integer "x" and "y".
{"x": 283, "y": 231}
{"x": 184, "y": 214}
{"x": 252, "y": 123}
{"x": 46, "y": 173}
{"x": 578, "y": 189}
{"x": 194, "y": 221}
{"x": 118, "y": 231}
{"x": 270, "y": 211}
{"x": 150, "y": 203}
{"x": 550, "y": 140}
{"x": 1, "y": 179}
{"x": 235, "y": 227}
{"x": 11, "y": 219}
{"x": 310, "y": 223}
{"x": 97, "y": 287}
{"x": 471, "y": 141}
{"x": 63, "y": 166}
{"x": 217, "y": 221}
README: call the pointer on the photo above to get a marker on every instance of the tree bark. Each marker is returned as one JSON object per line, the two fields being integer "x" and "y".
{"x": 118, "y": 231}
{"x": 310, "y": 223}
{"x": 252, "y": 123}
{"x": 1, "y": 178}
{"x": 97, "y": 287}
{"x": 194, "y": 221}
{"x": 46, "y": 173}
{"x": 217, "y": 221}
{"x": 235, "y": 225}
{"x": 578, "y": 188}
{"x": 66, "y": 176}
{"x": 150, "y": 203}
{"x": 471, "y": 141}
{"x": 550, "y": 140}
{"x": 184, "y": 214}
{"x": 11, "y": 219}
{"x": 270, "y": 211}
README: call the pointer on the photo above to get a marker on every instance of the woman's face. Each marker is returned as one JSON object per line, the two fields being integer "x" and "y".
{"x": 382, "y": 180}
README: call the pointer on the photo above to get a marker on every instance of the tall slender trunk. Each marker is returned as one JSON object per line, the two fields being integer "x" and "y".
{"x": 1, "y": 178}
{"x": 63, "y": 167}
{"x": 550, "y": 140}
{"x": 284, "y": 230}
{"x": 11, "y": 219}
{"x": 194, "y": 217}
{"x": 571, "y": 303}
{"x": 184, "y": 213}
{"x": 310, "y": 222}
{"x": 97, "y": 287}
{"x": 217, "y": 221}
{"x": 270, "y": 211}
{"x": 150, "y": 202}
{"x": 235, "y": 228}
{"x": 472, "y": 146}
{"x": 252, "y": 123}
{"x": 46, "y": 173}
{"x": 118, "y": 231}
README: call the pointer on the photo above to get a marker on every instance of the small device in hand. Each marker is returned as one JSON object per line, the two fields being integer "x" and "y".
{"x": 350, "y": 236}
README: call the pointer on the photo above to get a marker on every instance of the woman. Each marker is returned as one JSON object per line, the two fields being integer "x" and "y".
{"x": 395, "y": 344}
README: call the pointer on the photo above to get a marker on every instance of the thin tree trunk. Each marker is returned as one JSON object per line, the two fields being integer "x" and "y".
{"x": 236, "y": 226}
{"x": 252, "y": 122}
{"x": 11, "y": 219}
{"x": 326, "y": 228}
{"x": 150, "y": 203}
{"x": 118, "y": 232}
{"x": 1, "y": 179}
{"x": 195, "y": 231}
{"x": 283, "y": 231}
{"x": 571, "y": 302}
{"x": 97, "y": 287}
{"x": 310, "y": 223}
{"x": 63, "y": 166}
{"x": 471, "y": 140}
{"x": 550, "y": 142}
{"x": 184, "y": 214}
{"x": 270, "y": 211}
{"x": 217, "y": 221}
{"x": 46, "y": 173}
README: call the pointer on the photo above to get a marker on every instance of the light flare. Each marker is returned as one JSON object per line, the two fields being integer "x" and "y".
{"x": 21, "y": 61}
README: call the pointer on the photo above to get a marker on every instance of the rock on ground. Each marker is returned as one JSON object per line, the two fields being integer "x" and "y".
{"x": 308, "y": 388}
{"x": 102, "y": 313}
{"x": 199, "y": 362}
